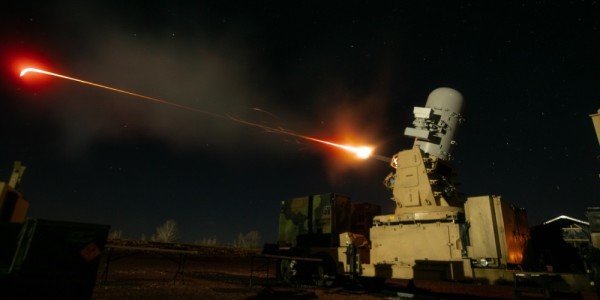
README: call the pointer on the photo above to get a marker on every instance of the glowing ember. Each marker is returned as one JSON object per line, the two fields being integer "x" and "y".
{"x": 362, "y": 152}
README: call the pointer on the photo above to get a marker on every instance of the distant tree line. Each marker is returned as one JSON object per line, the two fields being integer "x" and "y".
{"x": 168, "y": 232}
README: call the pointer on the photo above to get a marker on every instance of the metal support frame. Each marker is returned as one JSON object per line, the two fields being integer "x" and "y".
{"x": 267, "y": 260}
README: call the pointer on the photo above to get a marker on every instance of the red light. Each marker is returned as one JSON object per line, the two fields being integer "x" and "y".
{"x": 27, "y": 63}
{"x": 14, "y": 61}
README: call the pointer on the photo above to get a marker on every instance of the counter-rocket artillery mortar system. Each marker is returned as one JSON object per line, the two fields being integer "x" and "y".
{"x": 433, "y": 232}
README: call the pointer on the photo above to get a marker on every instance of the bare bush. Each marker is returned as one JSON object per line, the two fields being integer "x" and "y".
{"x": 115, "y": 235}
{"x": 166, "y": 233}
{"x": 248, "y": 240}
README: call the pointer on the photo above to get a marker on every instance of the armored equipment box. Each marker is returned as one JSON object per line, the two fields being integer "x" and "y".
{"x": 314, "y": 221}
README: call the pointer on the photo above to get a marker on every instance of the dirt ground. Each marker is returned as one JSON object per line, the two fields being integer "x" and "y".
{"x": 225, "y": 274}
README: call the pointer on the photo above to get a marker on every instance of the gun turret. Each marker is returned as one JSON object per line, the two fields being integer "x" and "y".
{"x": 422, "y": 184}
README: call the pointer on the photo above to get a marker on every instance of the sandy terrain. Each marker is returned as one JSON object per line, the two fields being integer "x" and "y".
{"x": 225, "y": 274}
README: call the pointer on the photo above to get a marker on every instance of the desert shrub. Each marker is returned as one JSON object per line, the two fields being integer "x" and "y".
{"x": 115, "y": 235}
{"x": 248, "y": 240}
{"x": 166, "y": 233}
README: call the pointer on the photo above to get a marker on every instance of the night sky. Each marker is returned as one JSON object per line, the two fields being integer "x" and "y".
{"x": 347, "y": 71}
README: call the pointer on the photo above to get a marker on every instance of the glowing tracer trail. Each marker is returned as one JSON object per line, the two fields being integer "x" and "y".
{"x": 361, "y": 152}
{"x": 27, "y": 70}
